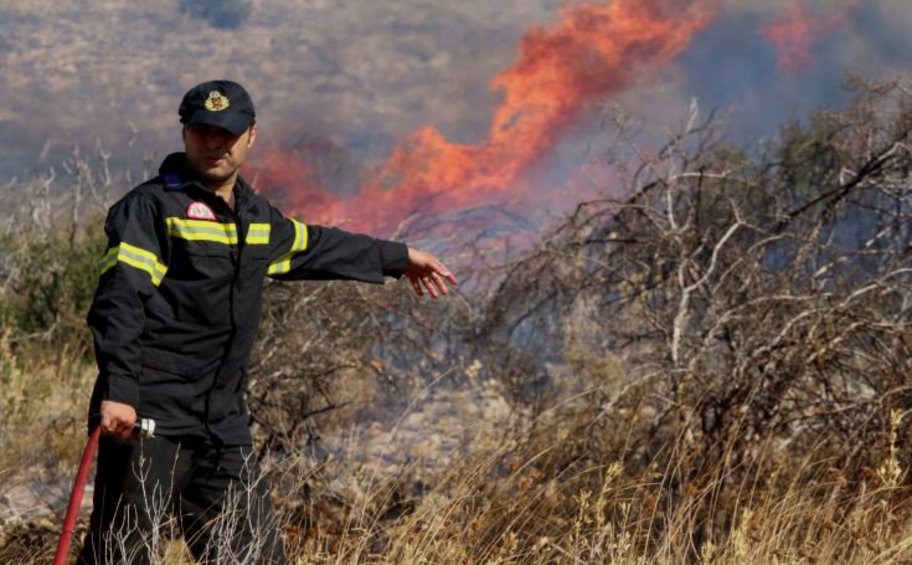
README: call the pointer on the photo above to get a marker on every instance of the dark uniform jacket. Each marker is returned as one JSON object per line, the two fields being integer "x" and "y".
{"x": 178, "y": 303}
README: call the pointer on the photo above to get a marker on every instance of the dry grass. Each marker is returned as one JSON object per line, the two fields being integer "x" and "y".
{"x": 503, "y": 500}
{"x": 42, "y": 418}
{"x": 500, "y": 501}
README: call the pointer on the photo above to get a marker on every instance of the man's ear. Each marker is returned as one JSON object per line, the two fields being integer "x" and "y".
{"x": 184, "y": 133}
{"x": 253, "y": 134}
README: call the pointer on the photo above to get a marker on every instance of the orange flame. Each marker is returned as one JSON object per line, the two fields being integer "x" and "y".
{"x": 593, "y": 51}
{"x": 795, "y": 34}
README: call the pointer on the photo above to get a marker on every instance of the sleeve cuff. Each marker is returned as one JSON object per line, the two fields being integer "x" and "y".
{"x": 395, "y": 258}
{"x": 122, "y": 389}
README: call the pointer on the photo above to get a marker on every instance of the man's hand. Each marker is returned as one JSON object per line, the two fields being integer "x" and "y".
{"x": 427, "y": 271}
{"x": 117, "y": 419}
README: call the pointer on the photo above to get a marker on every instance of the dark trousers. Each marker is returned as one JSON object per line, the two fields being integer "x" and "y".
{"x": 213, "y": 496}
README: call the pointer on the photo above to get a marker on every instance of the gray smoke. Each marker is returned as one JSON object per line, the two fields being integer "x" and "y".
{"x": 353, "y": 77}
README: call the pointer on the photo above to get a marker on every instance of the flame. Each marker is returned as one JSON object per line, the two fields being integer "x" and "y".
{"x": 795, "y": 33}
{"x": 279, "y": 170}
{"x": 593, "y": 51}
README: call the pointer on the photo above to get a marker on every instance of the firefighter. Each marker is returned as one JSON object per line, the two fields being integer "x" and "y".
{"x": 174, "y": 319}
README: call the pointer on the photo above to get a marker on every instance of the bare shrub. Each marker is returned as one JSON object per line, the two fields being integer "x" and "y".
{"x": 756, "y": 306}
{"x": 329, "y": 350}
{"x": 50, "y": 247}
{"x": 225, "y": 14}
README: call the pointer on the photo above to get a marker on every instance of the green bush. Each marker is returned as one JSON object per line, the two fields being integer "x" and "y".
{"x": 52, "y": 285}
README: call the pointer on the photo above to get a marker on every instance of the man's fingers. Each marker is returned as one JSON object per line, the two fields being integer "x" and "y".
{"x": 436, "y": 281}
{"x": 441, "y": 272}
{"x": 441, "y": 269}
{"x": 439, "y": 283}
{"x": 431, "y": 283}
{"x": 416, "y": 285}
{"x": 119, "y": 429}
{"x": 423, "y": 263}
{"x": 117, "y": 419}
{"x": 429, "y": 275}
{"x": 429, "y": 286}
{"x": 110, "y": 426}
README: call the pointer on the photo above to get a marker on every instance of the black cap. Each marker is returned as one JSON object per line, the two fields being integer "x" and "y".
{"x": 221, "y": 103}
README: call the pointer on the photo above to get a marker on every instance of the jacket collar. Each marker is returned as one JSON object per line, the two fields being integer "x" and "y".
{"x": 176, "y": 175}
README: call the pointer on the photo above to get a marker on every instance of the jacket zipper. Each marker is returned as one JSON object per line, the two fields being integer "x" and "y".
{"x": 236, "y": 265}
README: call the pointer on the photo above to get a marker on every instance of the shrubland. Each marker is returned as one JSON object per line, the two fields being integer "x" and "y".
{"x": 709, "y": 365}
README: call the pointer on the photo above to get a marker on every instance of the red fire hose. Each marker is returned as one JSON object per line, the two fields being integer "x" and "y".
{"x": 69, "y": 523}
{"x": 145, "y": 428}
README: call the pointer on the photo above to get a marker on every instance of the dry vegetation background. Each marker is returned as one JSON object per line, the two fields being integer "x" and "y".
{"x": 712, "y": 369}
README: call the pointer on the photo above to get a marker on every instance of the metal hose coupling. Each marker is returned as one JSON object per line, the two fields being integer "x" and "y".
{"x": 145, "y": 428}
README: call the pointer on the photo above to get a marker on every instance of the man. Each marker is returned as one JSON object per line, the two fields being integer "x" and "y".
{"x": 174, "y": 319}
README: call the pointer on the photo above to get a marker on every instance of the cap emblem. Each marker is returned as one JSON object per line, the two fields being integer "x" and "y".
{"x": 216, "y": 102}
{"x": 200, "y": 211}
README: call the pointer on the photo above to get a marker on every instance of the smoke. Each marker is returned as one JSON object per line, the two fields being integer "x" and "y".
{"x": 373, "y": 112}
{"x": 593, "y": 51}
{"x": 795, "y": 33}
{"x": 766, "y": 64}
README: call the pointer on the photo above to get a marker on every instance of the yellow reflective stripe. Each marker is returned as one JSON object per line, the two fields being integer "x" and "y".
{"x": 202, "y": 230}
{"x": 300, "y": 242}
{"x": 258, "y": 234}
{"x": 283, "y": 264}
{"x": 109, "y": 259}
{"x": 135, "y": 257}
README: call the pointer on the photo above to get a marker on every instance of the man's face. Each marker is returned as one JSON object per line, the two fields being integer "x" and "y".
{"x": 215, "y": 153}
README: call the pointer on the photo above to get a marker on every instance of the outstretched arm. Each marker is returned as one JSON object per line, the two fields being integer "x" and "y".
{"x": 427, "y": 271}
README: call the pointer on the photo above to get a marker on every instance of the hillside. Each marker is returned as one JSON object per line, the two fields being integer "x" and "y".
{"x": 359, "y": 73}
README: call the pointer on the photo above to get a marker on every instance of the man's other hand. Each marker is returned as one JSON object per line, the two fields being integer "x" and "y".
{"x": 117, "y": 419}
{"x": 428, "y": 273}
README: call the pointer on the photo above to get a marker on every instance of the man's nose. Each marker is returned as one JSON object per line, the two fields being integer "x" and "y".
{"x": 214, "y": 141}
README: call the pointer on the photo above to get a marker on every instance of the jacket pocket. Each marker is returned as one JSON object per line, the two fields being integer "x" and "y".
{"x": 179, "y": 363}
{"x": 173, "y": 396}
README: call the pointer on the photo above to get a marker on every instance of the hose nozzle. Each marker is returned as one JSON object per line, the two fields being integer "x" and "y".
{"x": 145, "y": 428}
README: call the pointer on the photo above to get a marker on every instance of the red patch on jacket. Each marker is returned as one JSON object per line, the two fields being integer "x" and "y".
{"x": 200, "y": 211}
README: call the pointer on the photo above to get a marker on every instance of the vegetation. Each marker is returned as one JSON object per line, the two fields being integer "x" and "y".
{"x": 223, "y": 14}
{"x": 711, "y": 369}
